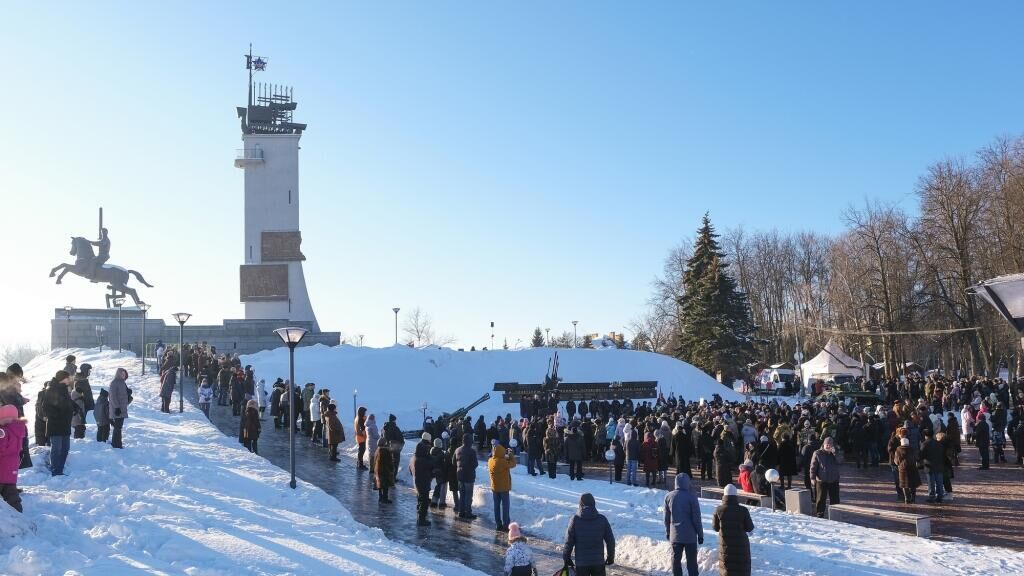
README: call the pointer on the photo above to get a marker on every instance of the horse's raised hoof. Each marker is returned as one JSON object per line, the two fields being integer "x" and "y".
{"x": 52, "y": 273}
{"x": 58, "y": 280}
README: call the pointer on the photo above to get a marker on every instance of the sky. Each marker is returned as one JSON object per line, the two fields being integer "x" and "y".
{"x": 527, "y": 163}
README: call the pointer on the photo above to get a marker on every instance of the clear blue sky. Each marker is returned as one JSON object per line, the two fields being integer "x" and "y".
{"x": 526, "y": 163}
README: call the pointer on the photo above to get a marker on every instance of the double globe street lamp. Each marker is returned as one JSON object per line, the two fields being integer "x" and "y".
{"x": 292, "y": 336}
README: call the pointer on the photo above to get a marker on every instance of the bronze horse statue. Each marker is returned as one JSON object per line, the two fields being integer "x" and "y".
{"x": 115, "y": 277}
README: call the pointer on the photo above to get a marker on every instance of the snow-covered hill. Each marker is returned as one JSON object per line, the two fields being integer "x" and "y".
{"x": 400, "y": 379}
{"x": 180, "y": 498}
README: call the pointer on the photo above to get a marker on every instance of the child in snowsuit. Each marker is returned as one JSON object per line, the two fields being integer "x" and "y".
{"x": 519, "y": 556}
{"x": 13, "y": 431}
{"x": 102, "y": 413}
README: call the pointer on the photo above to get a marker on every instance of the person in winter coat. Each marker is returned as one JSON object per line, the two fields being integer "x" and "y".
{"x": 360, "y": 430}
{"x": 725, "y": 460}
{"x": 58, "y": 408}
{"x": 933, "y": 458}
{"x": 589, "y": 535}
{"x": 551, "y": 452}
{"x": 465, "y": 471}
{"x": 422, "y": 468}
{"x": 500, "y": 465}
{"x": 438, "y": 457}
{"x": 275, "y": 406}
{"x": 316, "y": 416}
{"x": 237, "y": 394}
{"x": 906, "y": 464}
{"x": 167, "y": 383}
{"x": 632, "y": 456}
{"x": 824, "y": 472}
{"x": 519, "y": 556}
{"x": 620, "y": 458}
{"x": 681, "y": 449}
{"x": 40, "y": 423}
{"x": 534, "y": 450}
{"x": 205, "y": 394}
{"x": 683, "y": 526}
{"x": 102, "y": 416}
{"x": 84, "y": 390}
{"x": 732, "y": 522}
{"x": 78, "y": 415}
{"x": 251, "y": 426}
{"x": 335, "y": 432}
{"x": 649, "y": 458}
{"x": 372, "y": 435}
{"x": 746, "y": 469}
{"x": 661, "y": 439}
{"x": 395, "y": 440}
{"x": 120, "y": 398}
{"x": 383, "y": 469}
{"x": 574, "y": 451}
{"x": 13, "y": 432}
{"x": 982, "y": 439}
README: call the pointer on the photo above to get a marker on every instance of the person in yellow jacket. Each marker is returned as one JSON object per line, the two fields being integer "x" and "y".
{"x": 499, "y": 465}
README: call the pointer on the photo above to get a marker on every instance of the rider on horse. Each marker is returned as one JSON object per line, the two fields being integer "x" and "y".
{"x": 103, "y": 247}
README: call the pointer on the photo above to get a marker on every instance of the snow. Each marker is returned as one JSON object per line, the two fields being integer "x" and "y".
{"x": 781, "y": 544}
{"x": 399, "y": 379}
{"x": 180, "y": 498}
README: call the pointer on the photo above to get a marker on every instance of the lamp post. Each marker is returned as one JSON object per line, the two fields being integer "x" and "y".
{"x": 145, "y": 308}
{"x": 492, "y": 335}
{"x": 119, "y": 303}
{"x": 395, "y": 310}
{"x": 67, "y": 326}
{"x": 574, "y": 333}
{"x": 547, "y": 334}
{"x": 181, "y": 318}
{"x": 354, "y": 394}
{"x": 99, "y": 335}
{"x": 360, "y": 340}
{"x": 292, "y": 336}
{"x": 609, "y": 457}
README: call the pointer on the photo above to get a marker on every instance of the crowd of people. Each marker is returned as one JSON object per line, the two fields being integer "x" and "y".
{"x": 62, "y": 405}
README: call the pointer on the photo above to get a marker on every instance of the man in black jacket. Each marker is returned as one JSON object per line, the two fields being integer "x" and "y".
{"x": 983, "y": 439}
{"x": 933, "y": 457}
{"x": 58, "y": 408}
{"x": 588, "y": 534}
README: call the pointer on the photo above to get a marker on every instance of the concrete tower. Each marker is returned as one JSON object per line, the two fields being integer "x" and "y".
{"x": 271, "y": 281}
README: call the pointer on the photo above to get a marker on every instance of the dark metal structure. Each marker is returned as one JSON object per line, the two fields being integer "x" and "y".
{"x": 270, "y": 106}
{"x": 554, "y": 387}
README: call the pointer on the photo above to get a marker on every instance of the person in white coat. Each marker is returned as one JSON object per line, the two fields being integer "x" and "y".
{"x": 314, "y": 416}
{"x": 261, "y": 396}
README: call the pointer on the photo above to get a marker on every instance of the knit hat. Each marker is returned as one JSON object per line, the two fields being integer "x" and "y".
{"x": 730, "y": 490}
{"x": 514, "y": 532}
{"x": 8, "y": 413}
{"x": 426, "y": 436}
{"x": 587, "y": 499}
{"x": 764, "y": 438}
{"x": 748, "y": 463}
{"x": 438, "y": 443}
{"x": 392, "y": 418}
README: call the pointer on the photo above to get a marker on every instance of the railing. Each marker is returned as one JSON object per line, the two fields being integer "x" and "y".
{"x": 255, "y": 154}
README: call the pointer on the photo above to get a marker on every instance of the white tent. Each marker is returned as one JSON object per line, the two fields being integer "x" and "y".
{"x": 829, "y": 362}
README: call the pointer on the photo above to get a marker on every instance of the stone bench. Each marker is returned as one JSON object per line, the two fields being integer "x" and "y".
{"x": 762, "y": 500}
{"x": 922, "y": 524}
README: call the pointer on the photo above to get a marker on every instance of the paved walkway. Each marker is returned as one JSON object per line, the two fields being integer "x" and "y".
{"x": 987, "y": 507}
{"x": 475, "y": 544}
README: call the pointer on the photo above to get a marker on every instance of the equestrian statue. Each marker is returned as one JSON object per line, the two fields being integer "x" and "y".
{"x": 94, "y": 267}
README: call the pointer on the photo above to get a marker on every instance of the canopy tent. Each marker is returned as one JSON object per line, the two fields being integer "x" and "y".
{"x": 829, "y": 362}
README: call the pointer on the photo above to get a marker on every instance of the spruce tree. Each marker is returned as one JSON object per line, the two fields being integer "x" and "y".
{"x": 716, "y": 332}
{"x": 538, "y": 338}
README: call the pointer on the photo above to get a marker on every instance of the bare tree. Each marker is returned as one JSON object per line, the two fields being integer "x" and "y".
{"x": 419, "y": 327}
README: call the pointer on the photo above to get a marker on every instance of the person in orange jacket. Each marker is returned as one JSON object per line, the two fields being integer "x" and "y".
{"x": 499, "y": 466}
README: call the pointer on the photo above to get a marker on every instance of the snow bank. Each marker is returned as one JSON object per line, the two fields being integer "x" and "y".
{"x": 781, "y": 544}
{"x": 399, "y": 379}
{"x": 181, "y": 498}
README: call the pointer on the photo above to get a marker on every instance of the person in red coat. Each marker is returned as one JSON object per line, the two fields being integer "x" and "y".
{"x": 649, "y": 458}
{"x": 13, "y": 432}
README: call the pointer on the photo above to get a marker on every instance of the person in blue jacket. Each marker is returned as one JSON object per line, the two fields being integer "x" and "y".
{"x": 683, "y": 526}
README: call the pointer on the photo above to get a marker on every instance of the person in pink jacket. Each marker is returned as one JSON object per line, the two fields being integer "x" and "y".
{"x": 12, "y": 433}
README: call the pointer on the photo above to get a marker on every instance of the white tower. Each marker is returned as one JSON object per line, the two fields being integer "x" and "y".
{"x": 271, "y": 281}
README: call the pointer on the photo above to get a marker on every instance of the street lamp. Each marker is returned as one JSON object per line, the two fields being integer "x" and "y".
{"x": 99, "y": 335}
{"x": 492, "y": 335}
{"x": 145, "y": 308}
{"x": 292, "y": 336}
{"x": 354, "y": 394}
{"x": 360, "y": 340}
{"x": 119, "y": 303}
{"x": 67, "y": 327}
{"x": 547, "y": 334}
{"x": 574, "y": 333}
{"x": 395, "y": 310}
{"x": 609, "y": 457}
{"x": 181, "y": 318}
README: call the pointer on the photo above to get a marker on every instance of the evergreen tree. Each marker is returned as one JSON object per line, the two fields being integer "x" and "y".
{"x": 716, "y": 332}
{"x": 538, "y": 338}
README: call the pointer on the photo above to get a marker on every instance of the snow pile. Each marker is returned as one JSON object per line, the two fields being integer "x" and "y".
{"x": 781, "y": 544}
{"x": 181, "y": 498}
{"x": 399, "y": 379}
